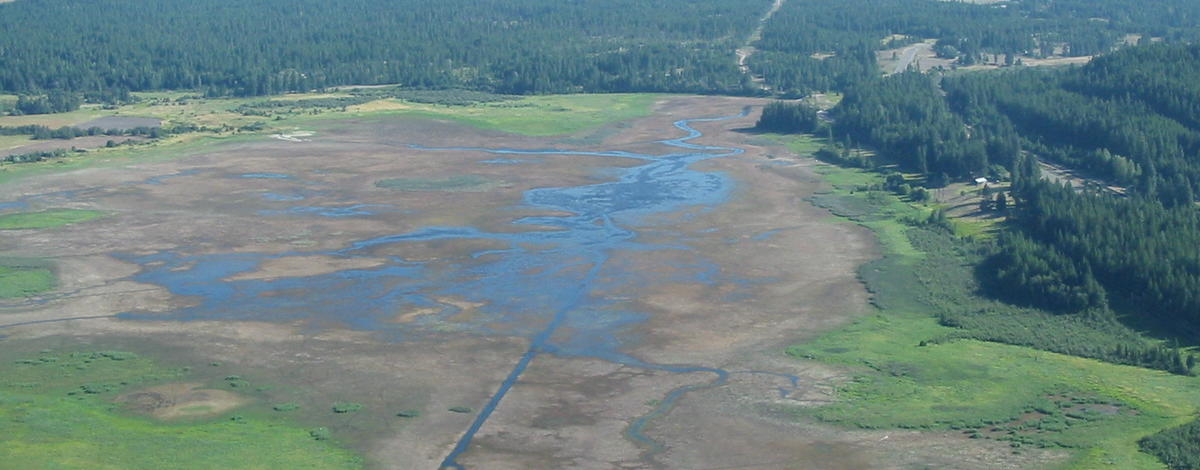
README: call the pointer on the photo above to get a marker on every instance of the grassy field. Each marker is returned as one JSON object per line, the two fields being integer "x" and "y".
{"x": 171, "y": 107}
{"x": 533, "y": 115}
{"x": 912, "y": 372}
{"x": 12, "y": 141}
{"x": 57, "y": 411}
{"x": 171, "y": 147}
{"x": 83, "y": 114}
{"x": 24, "y": 277}
{"x": 46, "y": 219}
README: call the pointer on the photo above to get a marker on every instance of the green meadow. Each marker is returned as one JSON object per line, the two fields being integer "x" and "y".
{"x": 547, "y": 115}
{"x": 58, "y": 411}
{"x": 912, "y": 372}
{"x": 46, "y": 219}
{"x": 25, "y": 277}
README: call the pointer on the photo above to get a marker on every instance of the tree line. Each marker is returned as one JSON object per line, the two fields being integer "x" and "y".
{"x": 38, "y": 132}
{"x": 111, "y": 47}
{"x": 55, "y": 101}
{"x": 105, "y": 49}
{"x": 1178, "y": 448}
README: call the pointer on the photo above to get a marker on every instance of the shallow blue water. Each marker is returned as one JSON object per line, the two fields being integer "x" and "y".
{"x": 267, "y": 176}
{"x": 283, "y": 197}
{"x": 509, "y": 161}
{"x": 13, "y": 205}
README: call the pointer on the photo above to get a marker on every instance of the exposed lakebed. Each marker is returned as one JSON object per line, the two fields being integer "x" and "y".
{"x": 598, "y": 293}
{"x": 545, "y": 283}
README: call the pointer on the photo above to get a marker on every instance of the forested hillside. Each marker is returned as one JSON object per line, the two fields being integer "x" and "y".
{"x": 1129, "y": 119}
{"x": 269, "y": 46}
{"x": 906, "y": 117}
{"x": 823, "y": 45}
{"x": 532, "y": 46}
{"x": 1142, "y": 248}
{"x": 1145, "y": 138}
{"x": 1070, "y": 251}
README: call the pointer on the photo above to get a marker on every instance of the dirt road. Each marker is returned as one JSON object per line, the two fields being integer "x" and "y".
{"x": 747, "y": 50}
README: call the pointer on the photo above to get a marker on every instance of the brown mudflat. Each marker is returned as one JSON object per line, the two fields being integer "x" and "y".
{"x": 564, "y": 411}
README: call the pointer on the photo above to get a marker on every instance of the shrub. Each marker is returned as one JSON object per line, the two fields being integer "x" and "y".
{"x": 346, "y": 407}
{"x": 320, "y": 434}
{"x": 289, "y": 406}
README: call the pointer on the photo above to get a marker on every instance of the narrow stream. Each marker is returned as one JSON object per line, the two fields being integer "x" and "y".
{"x": 651, "y": 188}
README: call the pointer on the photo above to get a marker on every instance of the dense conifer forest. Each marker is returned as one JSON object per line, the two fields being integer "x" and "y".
{"x": 1129, "y": 119}
{"x": 1143, "y": 138}
{"x": 271, "y": 46}
{"x": 823, "y": 45}
{"x": 110, "y": 47}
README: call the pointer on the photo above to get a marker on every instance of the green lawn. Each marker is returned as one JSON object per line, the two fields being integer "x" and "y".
{"x": 46, "y": 219}
{"x": 56, "y": 412}
{"x": 910, "y": 371}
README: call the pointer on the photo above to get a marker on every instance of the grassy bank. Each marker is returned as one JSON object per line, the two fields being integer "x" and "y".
{"x": 46, "y": 219}
{"x": 533, "y": 115}
{"x": 171, "y": 147}
{"x": 59, "y": 410}
{"x": 913, "y": 371}
{"x": 12, "y": 141}
{"x": 25, "y": 277}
